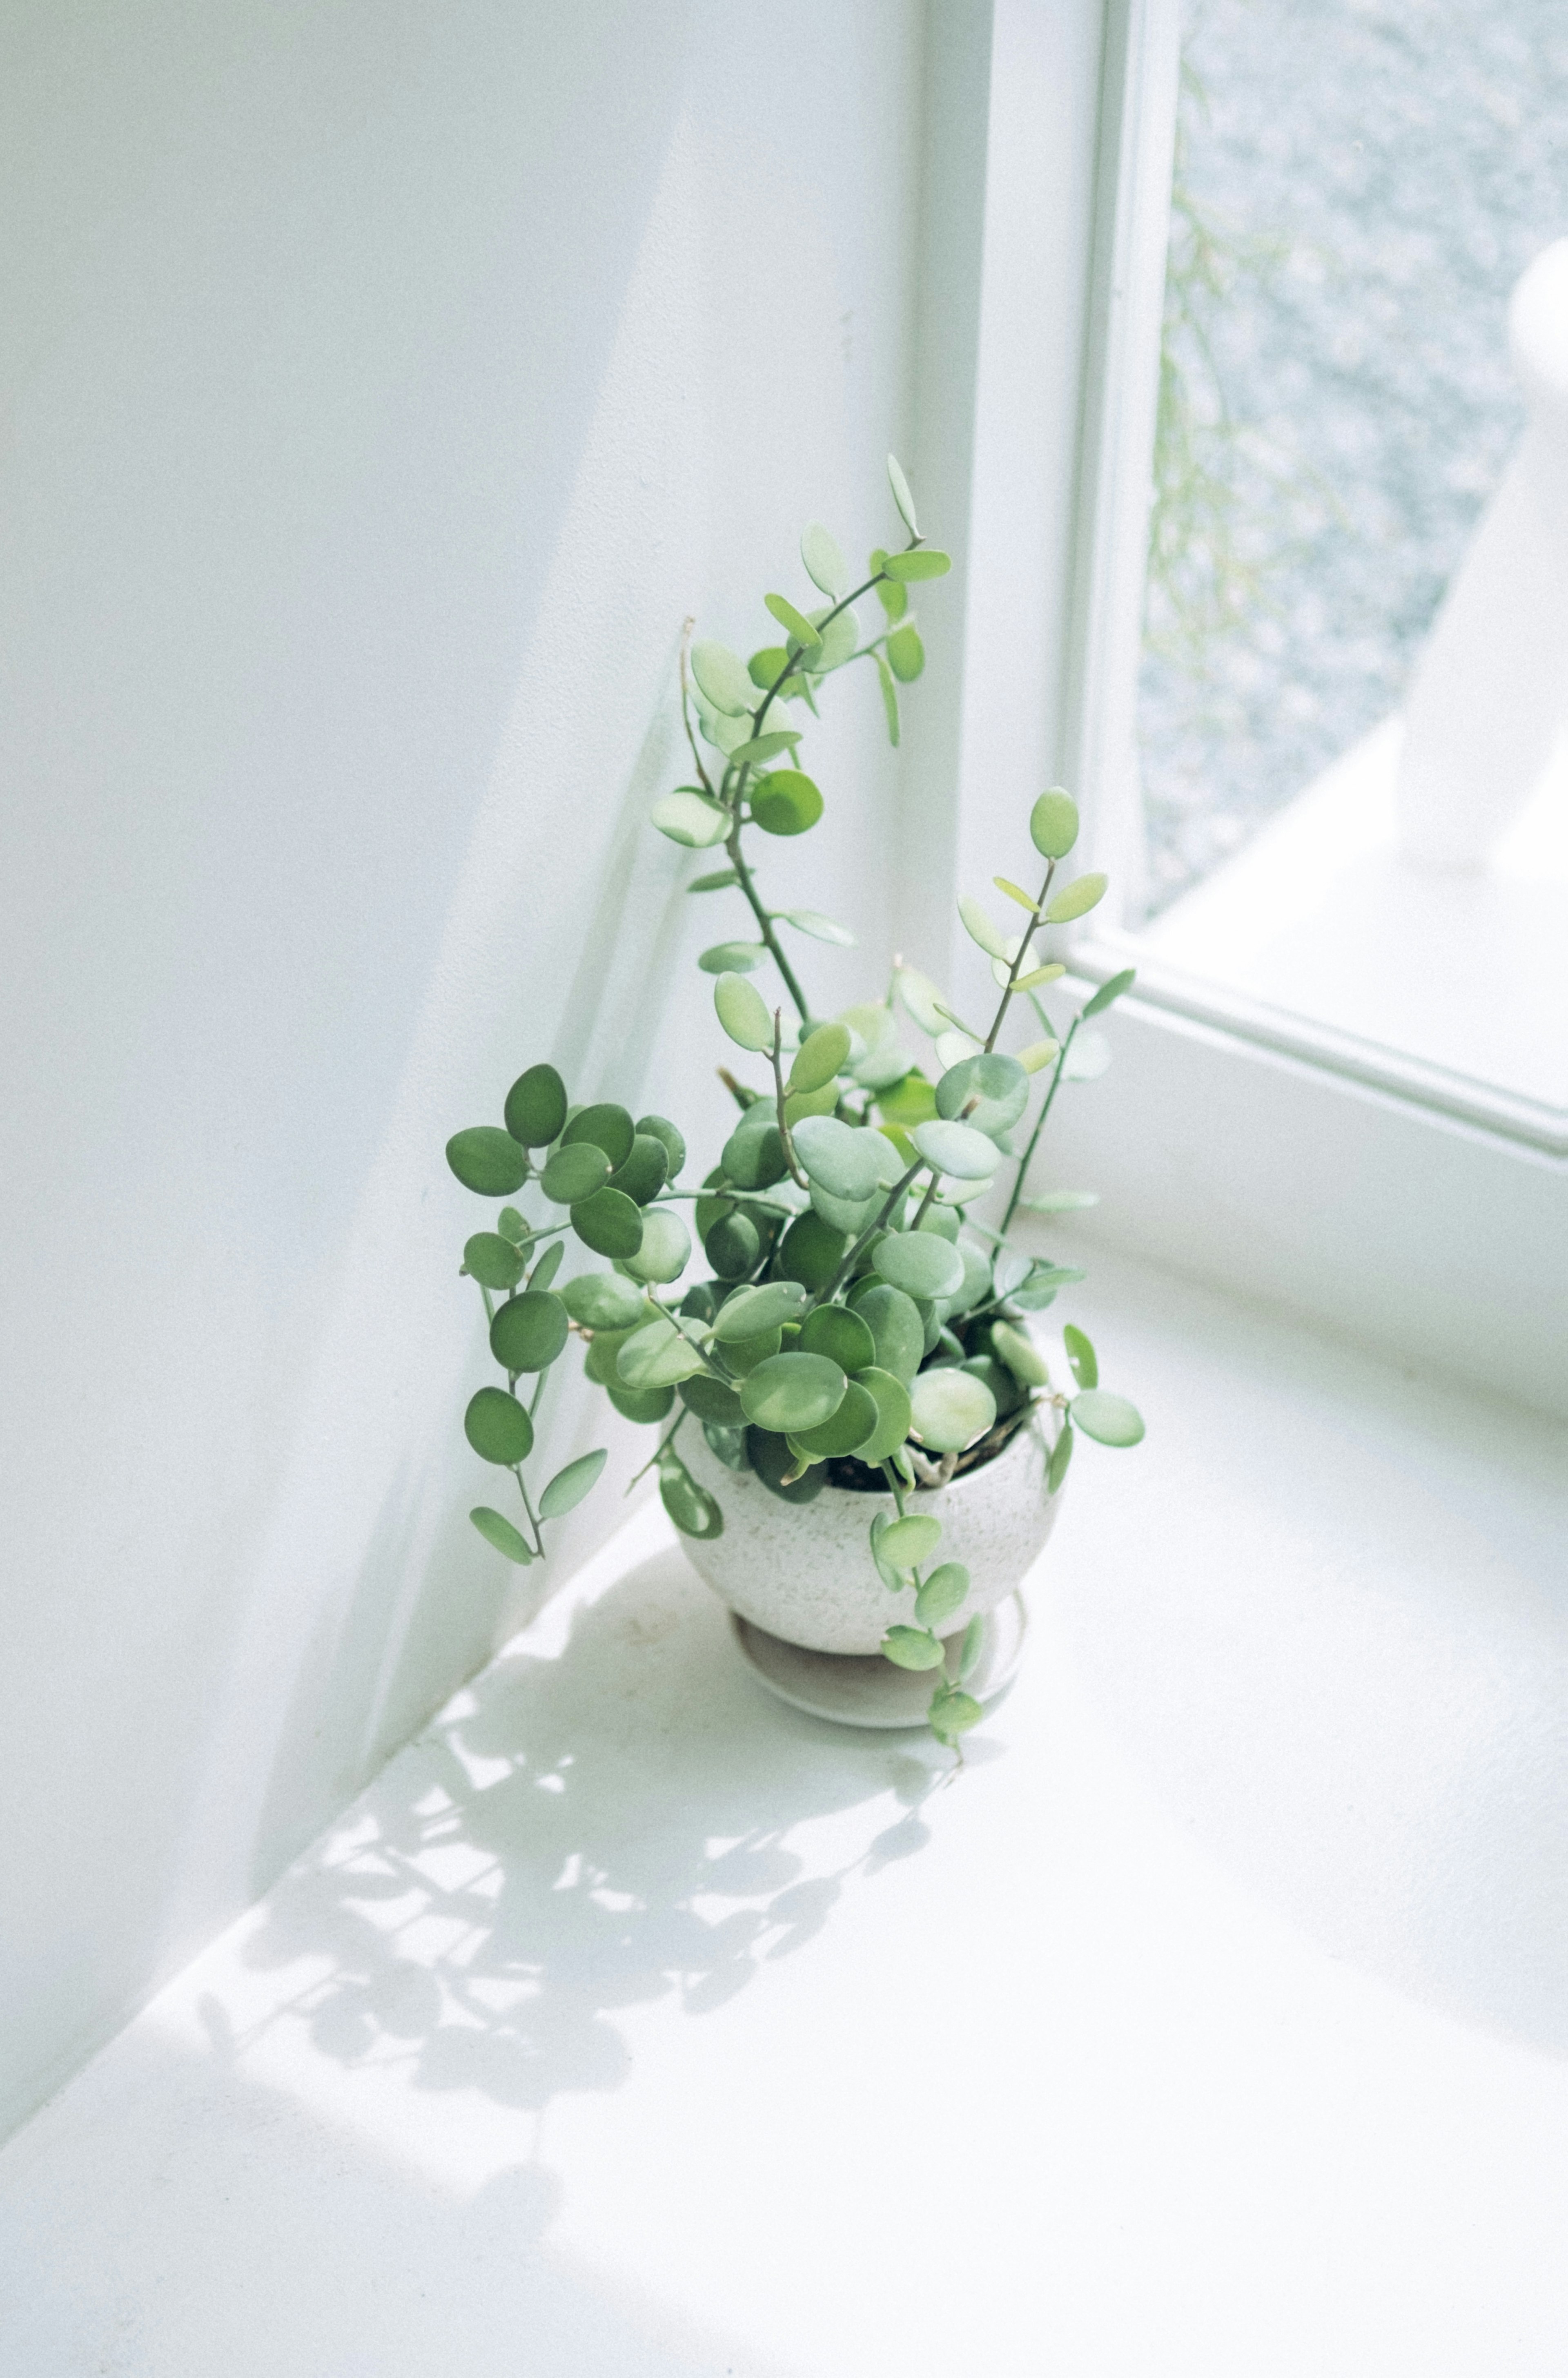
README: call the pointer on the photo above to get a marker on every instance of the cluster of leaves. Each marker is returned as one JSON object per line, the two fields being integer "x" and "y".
{"x": 857, "y": 1326}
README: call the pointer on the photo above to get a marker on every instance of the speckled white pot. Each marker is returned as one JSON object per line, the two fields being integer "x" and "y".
{"x": 804, "y": 1570}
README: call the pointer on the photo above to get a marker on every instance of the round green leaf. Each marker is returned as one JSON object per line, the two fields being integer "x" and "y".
{"x": 510, "y": 1224}
{"x": 773, "y": 1457}
{"x": 974, "y": 1643}
{"x": 653, "y": 1126}
{"x": 771, "y": 745}
{"x": 1111, "y": 1420}
{"x": 1107, "y": 992}
{"x": 712, "y": 1400}
{"x": 722, "y": 678}
{"x": 952, "y": 1712}
{"x": 502, "y": 1536}
{"x": 848, "y": 1430}
{"x": 911, "y": 1647}
{"x": 918, "y": 1262}
{"x": 895, "y": 1322}
{"x": 905, "y": 569}
{"x": 568, "y": 1486}
{"x": 1061, "y": 1454}
{"x": 981, "y": 928}
{"x": 1004, "y": 1390}
{"x": 536, "y": 1106}
{"x": 548, "y": 1264}
{"x": 845, "y": 1160}
{"x": 741, "y": 1356}
{"x": 487, "y": 1160}
{"x": 976, "y": 1281}
{"x": 728, "y": 1446}
{"x": 751, "y": 1312}
{"x": 642, "y": 1175}
{"x": 819, "y": 1057}
{"x": 945, "y": 1590}
{"x": 951, "y": 1408}
{"x": 892, "y": 1399}
{"x": 689, "y": 817}
{"x": 602, "y": 1300}
{"x": 1076, "y": 899}
{"x": 902, "y": 496}
{"x": 529, "y": 1330}
{"x": 908, "y": 1544}
{"x": 691, "y": 1508}
{"x": 607, "y": 1126}
{"x": 753, "y": 1155}
{"x": 643, "y": 1405}
{"x": 825, "y": 564}
{"x": 657, "y": 1355}
{"x": 820, "y": 928}
{"x": 844, "y": 1336}
{"x": 574, "y": 1173}
{"x": 956, "y": 1148}
{"x": 492, "y": 1260}
{"x": 811, "y": 1252}
{"x": 609, "y": 1223}
{"x": 666, "y": 1247}
{"x": 1053, "y": 823}
{"x": 794, "y": 623}
{"x": 733, "y": 1245}
{"x": 498, "y": 1427}
{"x": 603, "y": 1353}
{"x": 850, "y": 1215}
{"x": 743, "y": 1012}
{"x": 791, "y": 1392}
{"x": 1020, "y": 1354}
{"x": 995, "y": 1088}
{"x": 906, "y": 654}
{"x": 1082, "y": 1356}
{"x": 734, "y": 957}
{"x": 786, "y": 802}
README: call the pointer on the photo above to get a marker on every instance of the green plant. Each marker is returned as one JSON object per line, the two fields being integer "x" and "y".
{"x": 858, "y": 1327}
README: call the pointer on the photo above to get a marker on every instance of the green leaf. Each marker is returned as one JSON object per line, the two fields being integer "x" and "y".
{"x": 894, "y": 600}
{"x": 794, "y": 623}
{"x": 1038, "y": 1054}
{"x": 719, "y": 883}
{"x": 820, "y": 928}
{"x": 510, "y": 1225}
{"x": 1037, "y": 975}
{"x": 974, "y": 1643}
{"x": 487, "y": 1161}
{"x": 574, "y": 1173}
{"x": 691, "y": 1505}
{"x": 763, "y": 748}
{"x": 893, "y": 1414}
{"x": 820, "y": 1056}
{"x": 1108, "y": 991}
{"x": 922, "y": 999}
{"x": 1076, "y": 899}
{"x": 1061, "y": 1454}
{"x": 911, "y": 1647}
{"x": 906, "y": 654}
{"x": 1015, "y": 892}
{"x": 956, "y": 1148}
{"x": 655, "y": 1126}
{"x": 567, "y": 1487}
{"x": 903, "y": 569}
{"x": 920, "y": 1264}
{"x": 1063, "y": 1201}
{"x": 753, "y": 1157}
{"x": 847, "y": 1431}
{"x": 952, "y": 1712}
{"x": 908, "y": 1544}
{"x": 666, "y": 1248}
{"x": 609, "y": 1223}
{"x": 1082, "y": 1356}
{"x": 603, "y": 1353}
{"x": 841, "y": 641}
{"x": 529, "y": 1331}
{"x": 646, "y": 1406}
{"x": 894, "y": 1322}
{"x": 774, "y": 1460}
{"x": 689, "y": 817}
{"x": 751, "y": 1312}
{"x": 502, "y": 1536}
{"x": 890, "y": 698}
{"x": 606, "y": 1127}
{"x": 994, "y": 1088}
{"x": 734, "y": 957}
{"x": 712, "y": 1400}
{"x": 743, "y": 1012}
{"x": 902, "y": 496}
{"x": 498, "y": 1427}
{"x": 786, "y": 802}
{"x": 536, "y": 1106}
{"x": 641, "y": 1177}
{"x": 825, "y": 565}
{"x": 979, "y": 927}
{"x": 811, "y": 1252}
{"x": 844, "y": 1336}
{"x": 722, "y": 678}
{"x": 791, "y": 1392}
{"x": 840, "y": 1156}
{"x": 733, "y": 1245}
{"x": 1111, "y": 1420}
{"x": 492, "y": 1260}
{"x": 945, "y": 1590}
{"x": 657, "y": 1355}
{"x": 602, "y": 1300}
{"x": 1020, "y": 1354}
{"x": 548, "y": 1264}
{"x": 1053, "y": 823}
{"x": 908, "y": 1101}
{"x": 951, "y": 1408}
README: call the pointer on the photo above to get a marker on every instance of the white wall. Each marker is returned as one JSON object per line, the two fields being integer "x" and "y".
{"x": 383, "y": 383}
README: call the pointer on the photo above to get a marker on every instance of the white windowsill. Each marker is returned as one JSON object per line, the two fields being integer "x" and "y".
{"x": 1214, "y": 2023}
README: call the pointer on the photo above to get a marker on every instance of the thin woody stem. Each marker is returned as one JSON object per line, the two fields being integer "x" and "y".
{"x": 1022, "y": 951}
{"x": 796, "y": 1174}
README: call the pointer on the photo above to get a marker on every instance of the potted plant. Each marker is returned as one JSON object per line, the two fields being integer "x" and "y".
{"x": 858, "y": 1436}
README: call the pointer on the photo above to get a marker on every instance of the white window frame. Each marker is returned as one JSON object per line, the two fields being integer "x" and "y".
{"x": 1375, "y": 1195}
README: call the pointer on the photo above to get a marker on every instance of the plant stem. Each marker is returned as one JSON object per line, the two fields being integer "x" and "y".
{"x": 795, "y": 1173}
{"x": 1023, "y": 950}
{"x": 825, "y": 1295}
{"x": 764, "y": 922}
{"x": 1028, "y": 1155}
{"x": 522, "y": 1490}
{"x": 686, "y": 710}
{"x": 662, "y": 1447}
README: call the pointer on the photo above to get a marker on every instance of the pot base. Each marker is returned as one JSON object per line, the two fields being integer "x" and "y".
{"x": 849, "y": 1690}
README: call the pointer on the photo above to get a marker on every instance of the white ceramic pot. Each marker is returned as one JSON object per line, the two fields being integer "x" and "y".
{"x": 804, "y": 1571}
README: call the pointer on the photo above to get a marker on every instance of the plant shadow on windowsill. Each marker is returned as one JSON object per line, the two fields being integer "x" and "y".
{"x": 630, "y": 1820}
